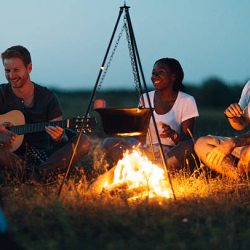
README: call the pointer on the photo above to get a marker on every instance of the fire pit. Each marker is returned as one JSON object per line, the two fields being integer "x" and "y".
{"x": 125, "y": 121}
{"x": 134, "y": 175}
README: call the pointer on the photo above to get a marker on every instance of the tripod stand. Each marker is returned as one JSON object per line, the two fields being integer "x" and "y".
{"x": 138, "y": 69}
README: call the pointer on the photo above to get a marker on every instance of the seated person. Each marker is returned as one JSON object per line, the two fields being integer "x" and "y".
{"x": 38, "y": 105}
{"x": 229, "y": 156}
{"x": 174, "y": 112}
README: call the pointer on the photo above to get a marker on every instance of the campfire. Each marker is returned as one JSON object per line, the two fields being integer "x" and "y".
{"x": 135, "y": 176}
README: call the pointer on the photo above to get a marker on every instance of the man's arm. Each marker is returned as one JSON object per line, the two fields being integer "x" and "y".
{"x": 242, "y": 140}
{"x": 239, "y": 123}
{"x": 235, "y": 118}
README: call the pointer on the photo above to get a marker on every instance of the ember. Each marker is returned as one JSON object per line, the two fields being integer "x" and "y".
{"x": 137, "y": 176}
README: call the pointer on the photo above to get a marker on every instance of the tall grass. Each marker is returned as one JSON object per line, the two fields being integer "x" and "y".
{"x": 210, "y": 212}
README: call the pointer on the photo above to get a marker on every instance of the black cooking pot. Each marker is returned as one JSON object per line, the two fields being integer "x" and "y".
{"x": 125, "y": 121}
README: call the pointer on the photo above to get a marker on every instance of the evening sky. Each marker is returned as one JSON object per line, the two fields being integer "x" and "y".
{"x": 68, "y": 39}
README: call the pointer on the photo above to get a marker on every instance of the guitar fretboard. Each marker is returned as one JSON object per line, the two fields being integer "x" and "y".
{"x": 37, "y": 127}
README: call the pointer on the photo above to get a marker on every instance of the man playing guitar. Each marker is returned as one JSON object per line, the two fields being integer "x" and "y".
{"x": 38, "y": 105}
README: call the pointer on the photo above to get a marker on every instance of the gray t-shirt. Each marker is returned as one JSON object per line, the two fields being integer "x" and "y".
{"x": 45, "y": 108}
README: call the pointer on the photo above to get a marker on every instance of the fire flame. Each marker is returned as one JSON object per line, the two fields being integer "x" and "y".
{"x": 136, "y": 173}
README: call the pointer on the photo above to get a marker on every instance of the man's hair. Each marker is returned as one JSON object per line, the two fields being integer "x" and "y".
{"x": 19, "y": 52}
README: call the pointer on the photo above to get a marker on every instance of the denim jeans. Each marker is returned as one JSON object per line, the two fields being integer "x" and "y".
{"x": 58, "y": 158}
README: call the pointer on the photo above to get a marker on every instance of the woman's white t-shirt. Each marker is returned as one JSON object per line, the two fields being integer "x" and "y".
{"x": 184, "y": 108}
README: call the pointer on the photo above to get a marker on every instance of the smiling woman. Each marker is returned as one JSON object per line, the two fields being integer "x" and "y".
{"x": 174, "y": 112}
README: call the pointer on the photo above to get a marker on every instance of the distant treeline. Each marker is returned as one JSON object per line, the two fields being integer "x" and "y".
{"x": 212, "y": 93}
{"x": 215, "y": 93}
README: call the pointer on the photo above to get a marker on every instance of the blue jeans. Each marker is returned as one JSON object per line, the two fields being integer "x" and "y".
{"x": 57, "y": 158}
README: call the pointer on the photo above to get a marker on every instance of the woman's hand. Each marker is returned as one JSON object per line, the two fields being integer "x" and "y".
{"x": 186, "y": 130}
{"x": 167, "y": 131}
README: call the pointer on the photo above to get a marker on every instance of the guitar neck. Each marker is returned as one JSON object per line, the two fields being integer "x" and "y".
{"x": 37, "y": 127}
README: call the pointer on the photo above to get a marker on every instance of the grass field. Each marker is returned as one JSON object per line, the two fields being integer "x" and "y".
{"x": 209, "y": 212}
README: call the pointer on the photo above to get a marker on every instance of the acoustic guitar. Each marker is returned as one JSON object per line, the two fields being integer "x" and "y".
{"x": 19, "y": 127}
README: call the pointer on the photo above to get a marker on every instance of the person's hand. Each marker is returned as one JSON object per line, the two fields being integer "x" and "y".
{"x": 216, "y": 156}
{"x": 167, "y": 131}
{"x": 234, "y": 110}
{"x": 6, "y": 136}
{"x": 54, "y": 132}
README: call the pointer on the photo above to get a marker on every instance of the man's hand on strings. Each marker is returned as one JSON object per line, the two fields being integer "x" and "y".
{"x": 55, "y": 132}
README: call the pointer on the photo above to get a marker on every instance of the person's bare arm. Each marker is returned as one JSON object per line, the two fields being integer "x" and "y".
{"x": 187, "y": 127}
{"x": 235, "y": 118}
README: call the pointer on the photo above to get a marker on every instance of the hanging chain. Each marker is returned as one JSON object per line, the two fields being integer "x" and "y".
{"x": 108, "y": 64}
{"x": 132, "y": 60}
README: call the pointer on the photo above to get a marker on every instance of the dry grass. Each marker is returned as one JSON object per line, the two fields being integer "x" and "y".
{"x": 209, "y": 213}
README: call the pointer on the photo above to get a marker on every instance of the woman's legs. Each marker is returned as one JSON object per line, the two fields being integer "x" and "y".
{"x": 180, "y": 155}
{"x": 114, "y": 149}
{"x": 176, "y": 157}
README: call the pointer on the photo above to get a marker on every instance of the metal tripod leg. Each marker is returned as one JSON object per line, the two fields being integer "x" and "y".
{"x": 90, "y": 102}
{"x": 151, "y": 145}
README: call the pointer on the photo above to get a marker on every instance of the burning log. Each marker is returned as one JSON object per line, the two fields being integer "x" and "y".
{"x": 134, "y": 175}
{"x": 134, "y": 192}
{"x": 116, "y": 187}
{"x": 102, "y": 181}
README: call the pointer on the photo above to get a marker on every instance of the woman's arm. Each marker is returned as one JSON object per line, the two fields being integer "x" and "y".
{"x": 187, "y": 127}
